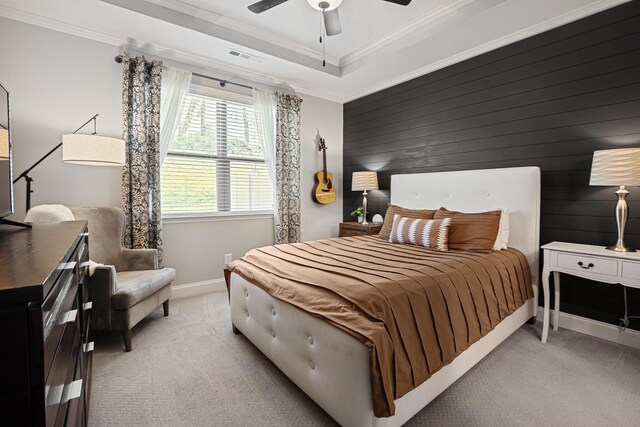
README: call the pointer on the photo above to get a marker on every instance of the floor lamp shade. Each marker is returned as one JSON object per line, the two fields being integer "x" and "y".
{"x": 94, "y": 150}
{"x": 617, "y": 167}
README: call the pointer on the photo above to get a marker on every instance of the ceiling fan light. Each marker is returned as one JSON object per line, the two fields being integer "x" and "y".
{"x": 332, "y": 4}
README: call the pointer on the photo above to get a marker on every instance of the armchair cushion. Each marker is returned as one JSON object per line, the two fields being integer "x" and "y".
{"x": 138, "y": 259}
{"x": 135, "y": 286}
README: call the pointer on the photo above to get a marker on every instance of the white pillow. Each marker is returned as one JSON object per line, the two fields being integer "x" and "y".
{"x": 49, "y": 213}
{"x": 502, "y": 239}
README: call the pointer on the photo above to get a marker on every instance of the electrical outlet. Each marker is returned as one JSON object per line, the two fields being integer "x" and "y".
{"x": 227, "y": 258}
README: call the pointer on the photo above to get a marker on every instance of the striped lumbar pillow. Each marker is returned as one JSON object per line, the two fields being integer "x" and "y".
{"x": 430, "y": 233}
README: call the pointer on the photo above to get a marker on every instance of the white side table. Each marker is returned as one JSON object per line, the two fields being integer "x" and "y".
{"x": 591, "y": 262}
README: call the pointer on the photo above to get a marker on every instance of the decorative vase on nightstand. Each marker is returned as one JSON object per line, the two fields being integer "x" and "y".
{"x": 360, "y": 219}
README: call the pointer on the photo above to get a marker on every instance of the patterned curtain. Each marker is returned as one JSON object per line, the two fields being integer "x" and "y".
{"x": 287, "y": 200}
{"x": 141, "y": 173}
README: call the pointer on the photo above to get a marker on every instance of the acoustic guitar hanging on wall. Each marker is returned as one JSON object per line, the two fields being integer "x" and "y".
{"x": 324, "y": 192}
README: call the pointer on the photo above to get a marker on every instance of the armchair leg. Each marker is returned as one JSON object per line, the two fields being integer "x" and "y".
{"x": 126, "y": 337}
{"x": 165, "y": 307}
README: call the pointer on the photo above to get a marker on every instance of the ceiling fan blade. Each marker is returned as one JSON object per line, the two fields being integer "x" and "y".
{"x": 400, "y": 2}
{"x": 332, "y": 22}
{"x": 264, "y": 5}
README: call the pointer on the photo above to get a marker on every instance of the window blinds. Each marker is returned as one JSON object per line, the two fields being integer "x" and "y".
{"x": 215, "y": 162}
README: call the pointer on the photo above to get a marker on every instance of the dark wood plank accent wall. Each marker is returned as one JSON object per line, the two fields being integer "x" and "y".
{"x": 546, "y": 101}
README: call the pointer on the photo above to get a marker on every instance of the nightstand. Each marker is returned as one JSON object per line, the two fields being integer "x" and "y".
{"x": 348, "y": 229}
{"x": 590, "y": 262}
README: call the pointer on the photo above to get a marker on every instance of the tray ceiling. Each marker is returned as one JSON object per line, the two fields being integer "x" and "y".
{"x": 381, "y": 44}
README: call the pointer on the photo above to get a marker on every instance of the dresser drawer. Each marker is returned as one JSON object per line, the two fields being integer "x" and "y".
{"x": 62, "y": 370}
{"x": 61, "y": 300}
{"x": 76, "y": 411}
{"x": 585, "y": 264}
{"x": 631, "y": 270}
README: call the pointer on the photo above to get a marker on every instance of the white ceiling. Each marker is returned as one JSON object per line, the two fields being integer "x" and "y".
{"x": 381, "y": 44}
{"x": 296, "y": 22}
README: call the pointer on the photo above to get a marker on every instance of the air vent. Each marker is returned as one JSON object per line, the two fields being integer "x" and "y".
{"x": 243, "y": 55}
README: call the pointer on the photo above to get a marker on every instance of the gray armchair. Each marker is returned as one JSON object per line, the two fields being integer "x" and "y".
{"x": 129, "y": 285}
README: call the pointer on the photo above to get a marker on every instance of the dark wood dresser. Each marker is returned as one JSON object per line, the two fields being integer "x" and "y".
{"x": 45, "y": 347}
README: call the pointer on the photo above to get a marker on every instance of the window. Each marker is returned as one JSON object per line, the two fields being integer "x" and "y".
{"x": 215, "y": 162}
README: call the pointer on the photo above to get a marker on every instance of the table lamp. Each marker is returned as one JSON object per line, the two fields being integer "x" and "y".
{"x": 364, "y": 181}
{"x": 617, "y": 167}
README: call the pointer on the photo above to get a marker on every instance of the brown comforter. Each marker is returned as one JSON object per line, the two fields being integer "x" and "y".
{"x": 415, "y": 308}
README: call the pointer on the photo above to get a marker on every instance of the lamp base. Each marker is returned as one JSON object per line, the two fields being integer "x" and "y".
{"x": 620, "y": 247}
{"x": 622, "y": 213}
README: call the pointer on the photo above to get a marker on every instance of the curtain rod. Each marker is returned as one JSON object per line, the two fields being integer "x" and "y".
{"x": 222, "y": 82}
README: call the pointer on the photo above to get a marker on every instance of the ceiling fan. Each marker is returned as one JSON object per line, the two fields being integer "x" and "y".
{"x": 329, "y": 9}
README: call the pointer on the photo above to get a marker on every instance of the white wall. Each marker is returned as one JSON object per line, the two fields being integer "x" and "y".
{"x": 58, "y": 81}
{"x": 325, "y": 117}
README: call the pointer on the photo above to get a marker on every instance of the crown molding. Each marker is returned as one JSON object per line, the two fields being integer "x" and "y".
{"x": 181, "y": 57}
{"x": 418, "y": 23}
{"x": 62, "y": 27}
{"x": 234, "y": 71}
{"x": 201, "y": 26}
{"x": 547, "y": 25}
{"x": 223, "y": 21}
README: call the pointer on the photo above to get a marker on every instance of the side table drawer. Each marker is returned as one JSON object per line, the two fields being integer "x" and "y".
{"x": 350, "y": 232}
{"x": 584, "y": 263}
{"x": 631, "y": 270}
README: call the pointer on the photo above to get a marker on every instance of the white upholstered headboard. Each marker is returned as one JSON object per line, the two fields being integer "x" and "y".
{"x": 516, "y": 189}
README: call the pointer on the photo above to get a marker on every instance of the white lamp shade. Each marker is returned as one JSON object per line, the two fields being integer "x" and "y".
{"x": 4, "y": 144}
{"x": 364, "y": 181}
{"x": 94, "y": 150}
{"x": 616, "y": 167}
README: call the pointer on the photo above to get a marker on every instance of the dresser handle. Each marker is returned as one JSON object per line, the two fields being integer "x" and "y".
{"x": 67, "y": 265}
{"x": 71, "y": 391}
{"x": 70, "y": 316}
{"x": 587, "y": 267}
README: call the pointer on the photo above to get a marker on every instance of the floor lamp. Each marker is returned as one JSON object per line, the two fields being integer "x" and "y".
{"x": 617, "y": 167}
{"x": 81, "y": 149}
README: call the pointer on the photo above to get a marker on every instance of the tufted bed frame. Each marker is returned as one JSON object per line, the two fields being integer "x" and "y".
{"x": 331, "y": 366}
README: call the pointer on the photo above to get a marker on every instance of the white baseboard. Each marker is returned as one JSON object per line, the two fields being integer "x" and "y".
{"x": 198, "y": 288}
{"x": 606, "y": 331}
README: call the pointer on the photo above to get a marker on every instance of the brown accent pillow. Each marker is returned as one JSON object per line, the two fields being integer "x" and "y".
{"x": 392, "y": 210}
{"x": 471, "y": 231}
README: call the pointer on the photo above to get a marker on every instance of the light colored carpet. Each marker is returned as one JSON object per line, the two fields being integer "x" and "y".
{"x": 189, "y": 369}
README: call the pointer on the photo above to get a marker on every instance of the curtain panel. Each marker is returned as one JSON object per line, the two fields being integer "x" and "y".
{"x": 287, "y": 185}
{"x": 175, "y": 85}
{"x": 264, "y": 109}
{"x": 141, "y": 83}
